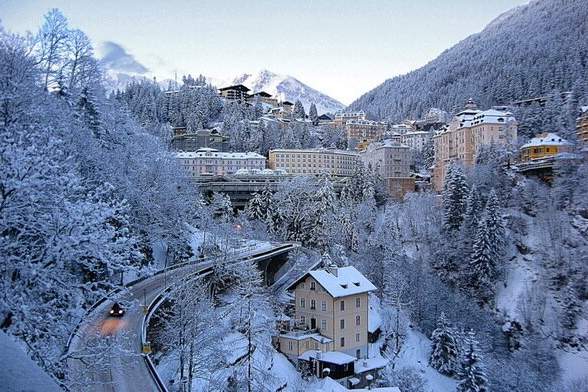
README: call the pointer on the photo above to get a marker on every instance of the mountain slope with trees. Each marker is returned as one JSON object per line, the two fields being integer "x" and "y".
{"x": 534, "y": 50}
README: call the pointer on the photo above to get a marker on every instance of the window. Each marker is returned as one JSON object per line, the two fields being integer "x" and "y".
{"x": 290, "y": 347}
{"x": 312, "y": 304}
{"x": 357, "y": 320}
{"x": 358, "y": 353}
{"x": 357, "y": 302}
{"x": 357, "y": 337}
{"x": 323, "y": 325}
{"x": 342, "y": 306}
{"x": 342, "y": 342}
{"x": 324, "y": 306}
{"x": 302, "y": 303}
{"x": 302, "y": 320}
{"x": 342, "y": 323}
{"x": 312, "y": 285}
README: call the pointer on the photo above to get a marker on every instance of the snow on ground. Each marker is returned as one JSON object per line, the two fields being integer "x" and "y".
{"x": 574, "y": 365}
{"x": 19, "y": 373}
{"x": 415, "y": 353}
{"x": 518, "y": 280}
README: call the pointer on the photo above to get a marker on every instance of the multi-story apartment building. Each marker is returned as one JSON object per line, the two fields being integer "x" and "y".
{"x": 341, "y": 118}
{"x": 263, "y": 97}
{"x": 467, "y": 132}
{"x": 237, "y": 92}
{"x": 184, "y": 140}
{"x": 545, "y": 145}
{"x": 416, "y": 140}
{"x": 208, "y": 161}
{"x": 393, "y": 162}
{"x": 314, "y": 161}
{"x": 360, "y": 133}
{"x": 582, "y": 125}
{"x": 331, "y": 315}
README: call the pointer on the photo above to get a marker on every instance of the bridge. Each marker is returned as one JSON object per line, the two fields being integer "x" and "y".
{"x": 128, "y": 366}
{"x": 241, "y": 188}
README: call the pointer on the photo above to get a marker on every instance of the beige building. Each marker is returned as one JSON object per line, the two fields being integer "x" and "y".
{"x": 582, "y": 126}
{"x": 467, "y": 132}
{"x": 360, "y": 133}
{"x": 393, "y": 162}
{"x": 314, "y": 161}
{"x": 331, "y": 314}
{"x": 341, "y": 118}
{"x": 208, "y": 161}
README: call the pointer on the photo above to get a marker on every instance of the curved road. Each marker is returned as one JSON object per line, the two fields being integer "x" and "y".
{"x": 116, "y": 364}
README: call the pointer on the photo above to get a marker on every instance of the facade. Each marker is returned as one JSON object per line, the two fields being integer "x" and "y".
{"x": 237, "y": 92}
{"x": 183, "y": 140}
{"x": 582, "y": 126}
{"x": 415, "y": 140}
{"x": 467, "y": 132}
{"x": 263, "y": 97}
{"x": 208, "y": 161}
{"x": 331, "y": 316}
{"x": 341, "y": 118}
{"x": 314, "y": 161}
{"x": 546, "y": 145}
{"x": 360, "y": 133}
{"x": 393, "y": 163}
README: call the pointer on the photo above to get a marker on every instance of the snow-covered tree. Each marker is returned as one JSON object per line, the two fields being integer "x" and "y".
{"x": 298, "y": 110}
{"x": 472, "y": 375}
{"x": 445, "y": 351}
{"x": 313, "y": 115}
{"x": 483, "y": 263}
{"x": 454, "y": 198}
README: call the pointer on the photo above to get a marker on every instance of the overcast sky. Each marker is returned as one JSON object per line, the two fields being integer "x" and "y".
{"x": 342, "y": 48}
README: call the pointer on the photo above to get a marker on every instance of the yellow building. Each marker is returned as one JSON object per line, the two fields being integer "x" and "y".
{"x": 467, "y": 132}
{"x": 582, "y": 126}
{"x": 331, "y": 315}
{"x": 545, "y": 145}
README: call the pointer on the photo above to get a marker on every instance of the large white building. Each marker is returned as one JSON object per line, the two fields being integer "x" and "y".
{"x": 315, "y": 161}
{"x": 208, "y": 161}
{"x": 416, "y": 140}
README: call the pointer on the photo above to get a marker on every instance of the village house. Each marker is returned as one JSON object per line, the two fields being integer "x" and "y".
{"x": 330, "y": 327}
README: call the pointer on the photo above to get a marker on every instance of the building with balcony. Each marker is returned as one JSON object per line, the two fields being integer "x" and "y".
{"x": 545, "y": 145}
{"x": 313, "y": 162}
{"x": 210, "y": 162}
{"x": 330, "y": 326}
{"x": 360, "y": 133}
{"x": 237, "y": 92}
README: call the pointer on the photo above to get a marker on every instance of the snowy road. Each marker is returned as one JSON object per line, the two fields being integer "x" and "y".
{"x": 120, "y": 366}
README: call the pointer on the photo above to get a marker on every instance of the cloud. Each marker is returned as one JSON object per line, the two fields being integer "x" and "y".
{"x": 117, "y": 58}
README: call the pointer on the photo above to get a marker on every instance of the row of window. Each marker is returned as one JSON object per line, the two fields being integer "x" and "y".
{"x": 324, "y": 303}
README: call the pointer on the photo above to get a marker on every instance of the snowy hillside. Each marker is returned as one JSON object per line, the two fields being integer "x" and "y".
{"x": 288, "y": 88}
{"x": 495, "y": 66}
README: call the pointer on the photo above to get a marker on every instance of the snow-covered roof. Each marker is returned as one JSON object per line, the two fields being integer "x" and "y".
{"x": 546, "y": 139}
{"x": 316, "y": 150}
{"x": 301, "y": 335}
{"x": 584, "y": 109}
{"x": 212, "y": 153}
{"x": 348, "y": 281}
{"x": 336, "y": 357}
{"x": 365, "y": 365}
{"x": 374, "y": 320}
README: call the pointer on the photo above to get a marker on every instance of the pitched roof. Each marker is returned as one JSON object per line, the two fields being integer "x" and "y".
{"x": 348, "y": 281}
{"x": 546, "y": 139}
{"x": 235, "y": 87}
{"x": 336, "y": 357}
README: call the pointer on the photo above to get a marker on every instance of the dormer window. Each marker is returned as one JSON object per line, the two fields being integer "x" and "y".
{"x": 344, "y": 285}
{"x": 356, "y": 284}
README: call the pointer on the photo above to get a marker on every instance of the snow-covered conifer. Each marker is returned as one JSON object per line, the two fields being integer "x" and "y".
{"x": 445, "y": 351}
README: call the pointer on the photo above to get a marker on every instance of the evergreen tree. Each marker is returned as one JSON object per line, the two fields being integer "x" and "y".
{"x": 313, "y": 114}
{"x": 496, "y": 229}
{"x": 324, "y": 209}
{"x": 445, "y": 352}
{"x": 454, "y": 198}
{"x": 483, "y": 261}
{"x": 298, "y": 111}
{"x": 473, "y": 377}
{"x": 88, "y": 112}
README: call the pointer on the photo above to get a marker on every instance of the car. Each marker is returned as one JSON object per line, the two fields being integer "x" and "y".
{"x": 116, "y": 310}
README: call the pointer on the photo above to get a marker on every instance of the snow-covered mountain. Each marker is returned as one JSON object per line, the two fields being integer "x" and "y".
{"x": 288, "y": 88}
